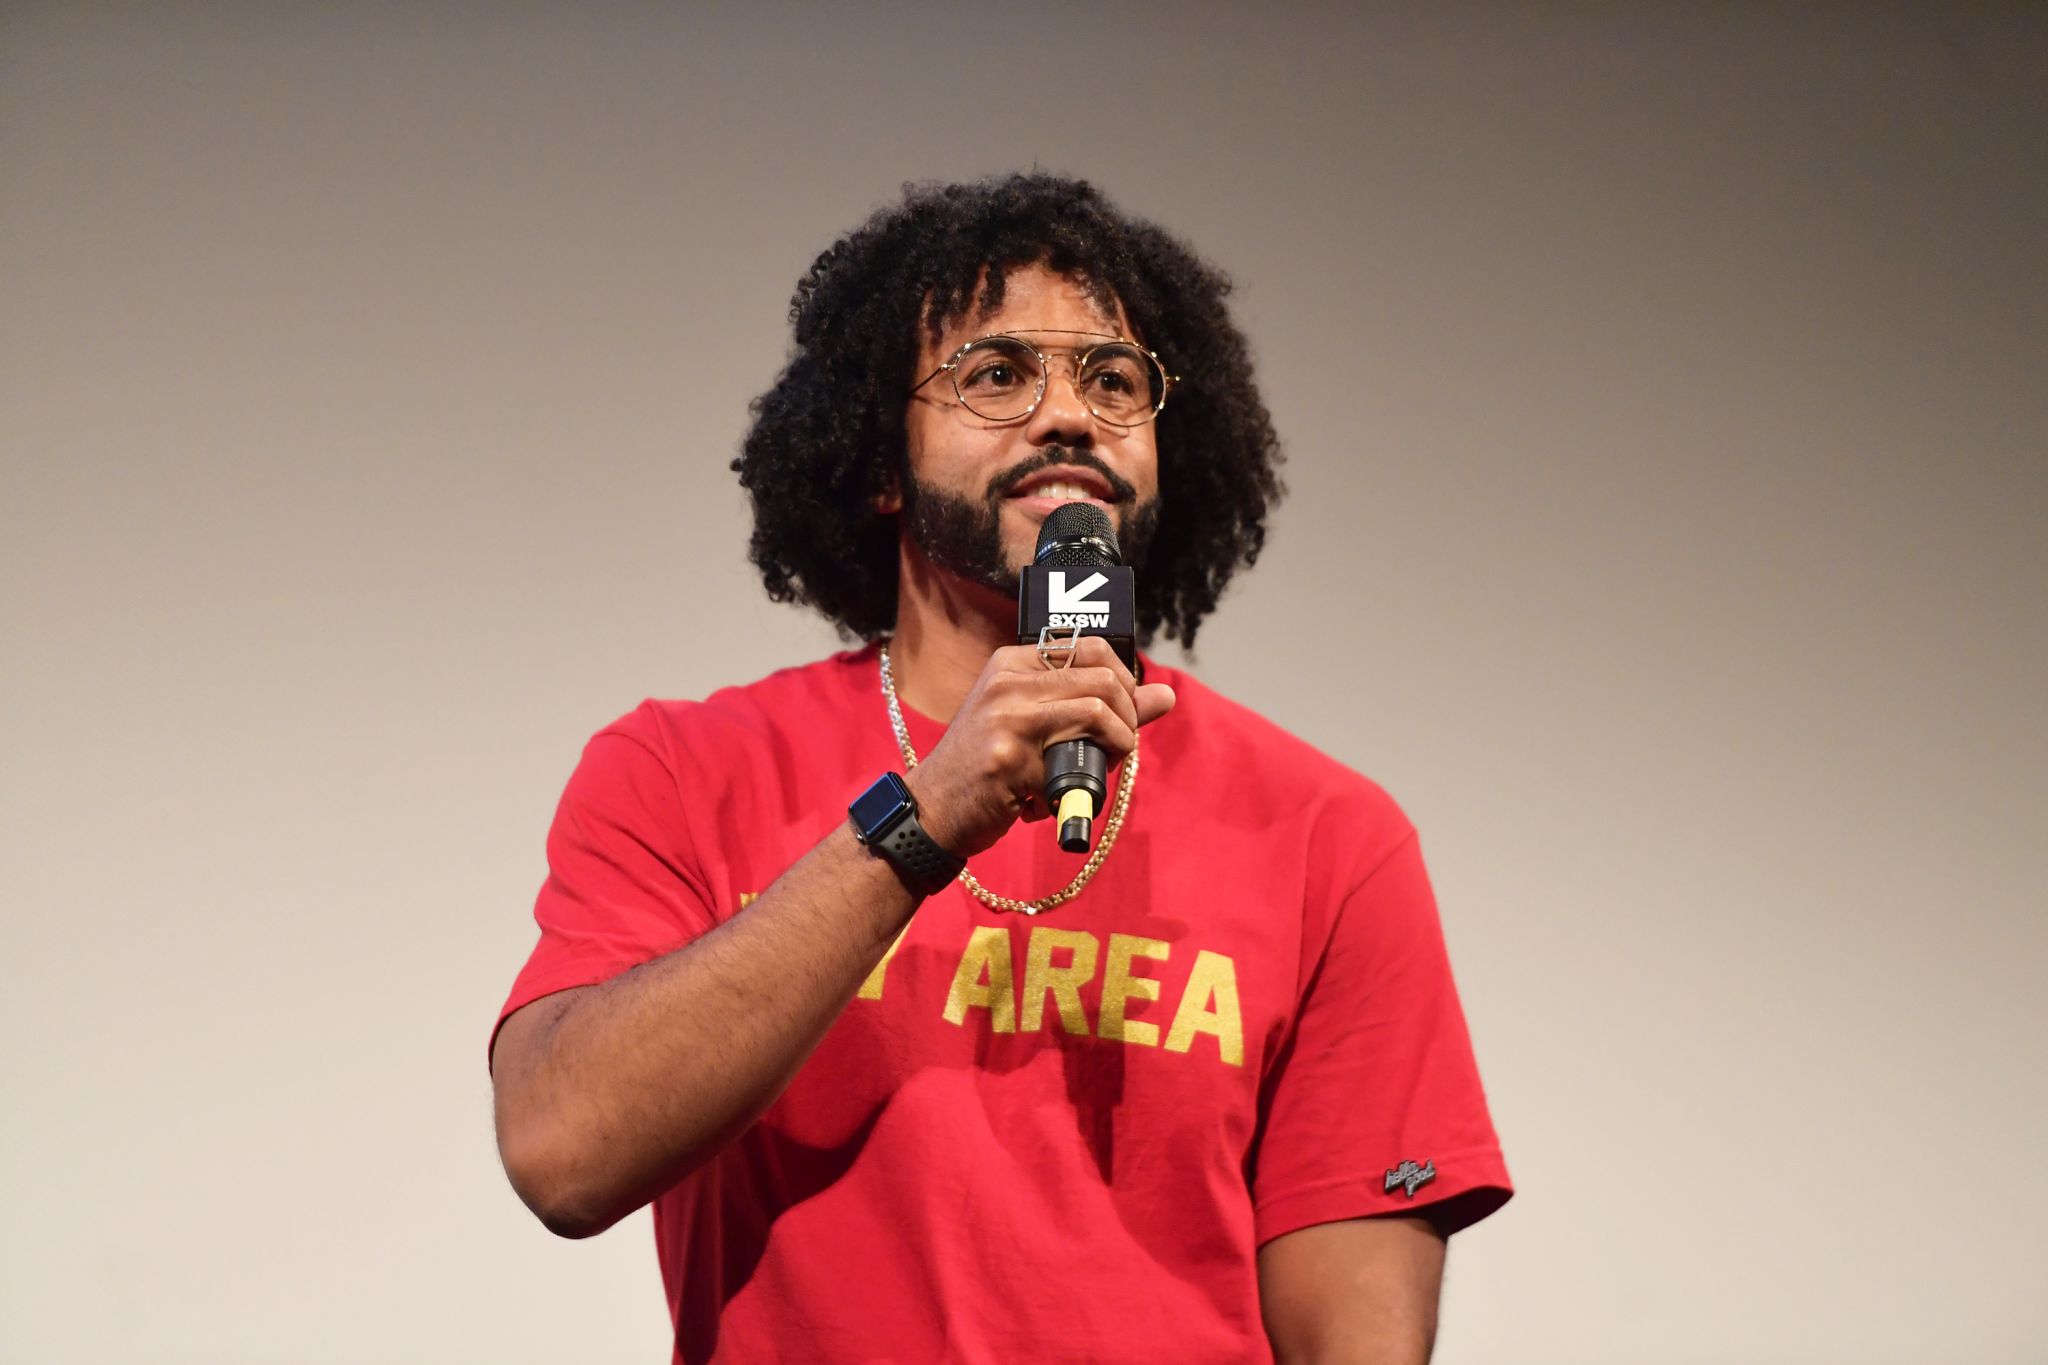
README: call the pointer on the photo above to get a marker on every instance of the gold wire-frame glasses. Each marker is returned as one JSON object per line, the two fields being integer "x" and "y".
{"x": 1120, "y": 381}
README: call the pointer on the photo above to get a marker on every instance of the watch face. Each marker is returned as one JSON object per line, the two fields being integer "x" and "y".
{"x": 875, "y": 809}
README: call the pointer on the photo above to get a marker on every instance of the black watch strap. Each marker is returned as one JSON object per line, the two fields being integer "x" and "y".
{"x": 928, "y": 867}
{"x": 885, "y": 821}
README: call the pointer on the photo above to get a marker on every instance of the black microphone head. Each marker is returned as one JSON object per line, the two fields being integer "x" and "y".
{"x": 1077, "y": 533}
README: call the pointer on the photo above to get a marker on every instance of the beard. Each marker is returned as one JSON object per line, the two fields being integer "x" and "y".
{"x": 964, "y": 536}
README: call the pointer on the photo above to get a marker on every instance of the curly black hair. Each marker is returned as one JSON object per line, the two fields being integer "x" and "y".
{"x": 829, "y": 436}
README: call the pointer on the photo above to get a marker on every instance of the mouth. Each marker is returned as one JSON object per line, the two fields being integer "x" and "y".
{"x": 1063, "y": 483}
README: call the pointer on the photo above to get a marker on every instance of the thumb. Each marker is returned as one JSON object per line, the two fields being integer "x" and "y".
{"x": 1154, "y": 700}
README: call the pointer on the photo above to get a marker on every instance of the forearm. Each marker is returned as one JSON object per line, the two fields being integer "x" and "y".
{"x": 1358, "y": 1292}
{"x": 637, "y": 1081}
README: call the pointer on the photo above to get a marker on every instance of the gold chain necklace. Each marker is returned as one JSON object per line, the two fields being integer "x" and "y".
{"x": 1110, "y": 829}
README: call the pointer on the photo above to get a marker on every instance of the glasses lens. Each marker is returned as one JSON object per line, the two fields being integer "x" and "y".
{"x": 998, "y": 378}
{"x": 1122, "y": 383}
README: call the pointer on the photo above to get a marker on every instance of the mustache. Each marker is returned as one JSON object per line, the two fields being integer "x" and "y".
{"x": 1000, "y": 486}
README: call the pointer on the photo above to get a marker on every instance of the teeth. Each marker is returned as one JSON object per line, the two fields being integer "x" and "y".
{"x": 1071, "y": 491}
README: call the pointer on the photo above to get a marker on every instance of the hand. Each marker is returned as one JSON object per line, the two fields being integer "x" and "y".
{"x": 989, "y": 770}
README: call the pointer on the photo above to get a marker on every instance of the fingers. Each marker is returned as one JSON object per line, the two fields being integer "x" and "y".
{"x": 1149, "y": 701}
{"x": 1086, "y": 718}
{"x": 1090, "y": 651}
{"x": 988, "y": 771}
{"x": 1070, "y": 683}
{"x": 1018, "y": 673}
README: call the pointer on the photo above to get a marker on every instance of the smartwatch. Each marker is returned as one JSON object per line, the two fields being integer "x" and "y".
{"x": 885, "y": 821}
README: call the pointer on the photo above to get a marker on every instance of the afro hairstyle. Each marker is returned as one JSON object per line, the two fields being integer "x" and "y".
{"x": 828, "y": 437}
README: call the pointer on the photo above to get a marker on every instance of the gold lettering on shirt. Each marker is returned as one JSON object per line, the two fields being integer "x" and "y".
{"x": 1119, "y": 985}
{"x": 747, "y": 898}
{"x": 871, "y": 989}
{"x": 1214, "y": 979}
{"x": 984, "y": 981}
{"x": 1040, "y": 976}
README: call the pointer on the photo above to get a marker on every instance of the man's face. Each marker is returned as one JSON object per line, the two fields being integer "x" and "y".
{"x": 980, "y": 489}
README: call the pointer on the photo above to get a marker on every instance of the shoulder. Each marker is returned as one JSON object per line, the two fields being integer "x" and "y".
{"x": 790, "y": 705}
{"x": 1226, "y": 746}
{"x": 1213, "y": 728}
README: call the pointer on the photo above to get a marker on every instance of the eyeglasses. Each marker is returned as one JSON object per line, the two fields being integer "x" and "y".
{"x": 1001, "y": 378}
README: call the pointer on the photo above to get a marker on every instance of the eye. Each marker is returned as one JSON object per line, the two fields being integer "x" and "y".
{"x": 996, "y": 366}
{"x": 990, "y": 376}
{"x": 1118, "y": 375}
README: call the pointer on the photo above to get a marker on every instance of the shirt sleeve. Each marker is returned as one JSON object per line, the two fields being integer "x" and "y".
{"x": 1376, "y": 1106}
{"x": 623, "y": 884}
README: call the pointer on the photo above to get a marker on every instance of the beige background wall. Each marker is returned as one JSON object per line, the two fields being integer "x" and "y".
{"x": 1664, "y": 393}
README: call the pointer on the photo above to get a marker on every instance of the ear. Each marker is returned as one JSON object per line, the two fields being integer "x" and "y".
{"x": 889, "y": 501}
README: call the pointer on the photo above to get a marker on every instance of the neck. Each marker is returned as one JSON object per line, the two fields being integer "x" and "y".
{"x": 946, "y": 628}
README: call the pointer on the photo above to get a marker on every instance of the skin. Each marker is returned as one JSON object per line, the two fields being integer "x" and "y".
{"x": 1357, "y": 1291}
{"x": 605, "y": 1095}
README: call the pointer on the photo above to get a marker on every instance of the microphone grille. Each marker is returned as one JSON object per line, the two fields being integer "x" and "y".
{"x": 1077, "y": 533}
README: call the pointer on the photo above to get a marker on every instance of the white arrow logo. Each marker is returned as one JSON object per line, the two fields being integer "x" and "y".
{"x": 1065, "y": 598}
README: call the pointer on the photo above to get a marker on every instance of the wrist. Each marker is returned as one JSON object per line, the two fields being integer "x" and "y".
{"x": 885, "y": 819}
{"x": 933, "y": 811}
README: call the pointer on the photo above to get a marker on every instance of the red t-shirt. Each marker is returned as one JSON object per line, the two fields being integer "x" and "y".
{"x": 1060, "y": 1137}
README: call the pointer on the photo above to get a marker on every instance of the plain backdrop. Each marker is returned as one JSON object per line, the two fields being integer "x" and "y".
{"x": 1663, "y": 393}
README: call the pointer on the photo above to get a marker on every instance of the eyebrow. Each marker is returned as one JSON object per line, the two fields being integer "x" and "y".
{"x": 1050, "y": 332}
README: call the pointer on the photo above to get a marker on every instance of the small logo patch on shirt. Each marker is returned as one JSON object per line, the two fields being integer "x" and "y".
{"x": 1410, "y": 1175}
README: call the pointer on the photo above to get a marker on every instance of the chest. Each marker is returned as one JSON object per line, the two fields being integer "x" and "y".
{"x": 1155, "y": 1002}
{"x": 1168, "y": 985}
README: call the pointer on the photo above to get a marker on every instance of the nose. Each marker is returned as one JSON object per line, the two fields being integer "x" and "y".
{"x": 1062, "y": 417}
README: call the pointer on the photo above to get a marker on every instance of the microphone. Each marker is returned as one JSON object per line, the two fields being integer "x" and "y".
{"x": 1077, "y": 585}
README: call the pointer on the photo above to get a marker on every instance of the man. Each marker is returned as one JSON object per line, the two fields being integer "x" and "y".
{"x": 1219, "y": 1103}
